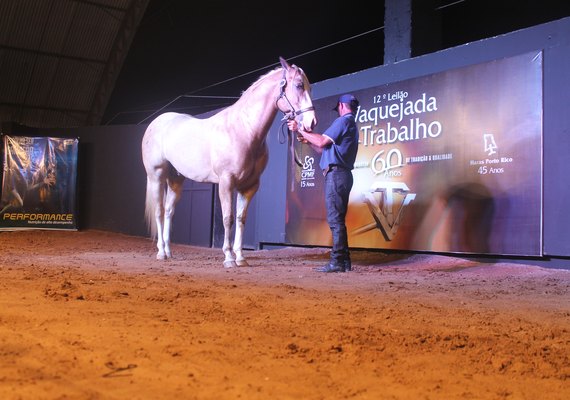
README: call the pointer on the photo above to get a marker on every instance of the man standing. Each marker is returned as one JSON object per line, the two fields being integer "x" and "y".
{"x": 339, "y": 145}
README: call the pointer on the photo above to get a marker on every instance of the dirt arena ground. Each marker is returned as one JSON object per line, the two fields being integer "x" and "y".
{"x": 92, "y": 315}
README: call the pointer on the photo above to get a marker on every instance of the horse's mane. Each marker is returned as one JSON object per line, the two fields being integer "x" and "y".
{"x": 260, "y": 79}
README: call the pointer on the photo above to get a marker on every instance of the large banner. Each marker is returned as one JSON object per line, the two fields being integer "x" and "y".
{"x": 449, "y": 162}
{"x": 38, "y": 183}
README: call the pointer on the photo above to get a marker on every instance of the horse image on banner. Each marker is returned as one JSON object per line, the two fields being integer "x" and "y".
{"x": 228, "y": 148}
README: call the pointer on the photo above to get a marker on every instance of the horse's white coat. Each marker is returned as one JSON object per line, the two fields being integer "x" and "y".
{"x": 227, "y": 148}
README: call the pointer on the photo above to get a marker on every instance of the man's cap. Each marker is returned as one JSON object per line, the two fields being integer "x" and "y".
{"x": 348, "y": 99}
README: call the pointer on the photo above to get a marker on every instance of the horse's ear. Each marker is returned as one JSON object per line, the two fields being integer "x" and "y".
{"x": 284, "y": 63}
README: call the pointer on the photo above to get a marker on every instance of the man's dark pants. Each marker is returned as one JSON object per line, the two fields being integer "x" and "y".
{"x": 338, "y": 183}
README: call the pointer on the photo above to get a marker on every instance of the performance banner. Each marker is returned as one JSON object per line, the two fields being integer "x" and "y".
{"x": 449, "y": 162}
{"x": 38, "y": 183}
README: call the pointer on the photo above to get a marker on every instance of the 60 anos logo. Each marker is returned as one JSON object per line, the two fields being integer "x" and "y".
{"x": 387, "y": 163}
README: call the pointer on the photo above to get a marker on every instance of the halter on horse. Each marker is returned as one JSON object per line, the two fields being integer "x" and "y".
{"x": 227, "y": 148}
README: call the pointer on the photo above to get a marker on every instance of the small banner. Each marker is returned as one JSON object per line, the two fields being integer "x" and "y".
{"x": 38, "y": 183}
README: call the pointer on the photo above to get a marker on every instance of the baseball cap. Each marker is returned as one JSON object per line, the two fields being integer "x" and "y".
{"x": 346, "y": 98}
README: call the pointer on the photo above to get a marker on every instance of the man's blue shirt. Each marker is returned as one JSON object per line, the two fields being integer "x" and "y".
{"x": 344, "y": 134}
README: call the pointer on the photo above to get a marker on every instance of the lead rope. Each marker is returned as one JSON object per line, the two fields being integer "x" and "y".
{"x": 291, "y": 114}
{"x": 282, "y": 136}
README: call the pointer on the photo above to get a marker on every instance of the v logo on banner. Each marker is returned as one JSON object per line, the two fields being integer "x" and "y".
{"x": 383, "y": 207}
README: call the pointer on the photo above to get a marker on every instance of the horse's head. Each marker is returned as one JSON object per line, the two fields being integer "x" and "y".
{"x": 295, "y": 96}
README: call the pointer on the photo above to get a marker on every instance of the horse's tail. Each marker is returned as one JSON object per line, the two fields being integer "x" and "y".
{"x": 149, "y": 211}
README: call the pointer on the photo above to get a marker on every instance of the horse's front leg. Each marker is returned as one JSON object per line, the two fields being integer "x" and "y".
{"x": 243, "y": 200}
{"x": 226, "y": 199}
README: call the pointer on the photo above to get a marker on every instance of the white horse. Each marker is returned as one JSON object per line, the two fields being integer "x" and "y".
{"x": 227, "y": 148}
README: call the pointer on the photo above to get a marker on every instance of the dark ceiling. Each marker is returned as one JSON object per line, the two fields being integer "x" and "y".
{"x": 59, "y": 59}
{"x": 218, "y": 48}
{"x": 66, "y": 63}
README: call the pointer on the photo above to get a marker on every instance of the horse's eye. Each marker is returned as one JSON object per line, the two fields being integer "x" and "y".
{"x": 299, "y": 85}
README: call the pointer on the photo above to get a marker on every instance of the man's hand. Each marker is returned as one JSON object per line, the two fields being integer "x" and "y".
{"x": 292, "y": 124}
{"x": 294, "y": 127}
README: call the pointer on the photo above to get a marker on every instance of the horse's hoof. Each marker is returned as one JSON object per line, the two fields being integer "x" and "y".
{"x": 230, "y": 264}
{"x": 161, "y": 256}
{"x": 242, "y": 263}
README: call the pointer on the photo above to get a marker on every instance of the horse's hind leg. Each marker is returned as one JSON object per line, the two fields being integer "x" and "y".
{"x": 155, "y": 209}
{"x": 173, "y": 194}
